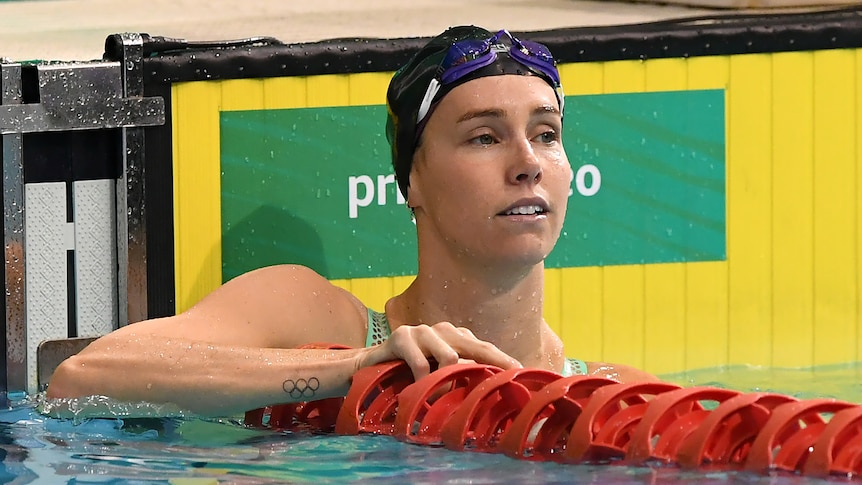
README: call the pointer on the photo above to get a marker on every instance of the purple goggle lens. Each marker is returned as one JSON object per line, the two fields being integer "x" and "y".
{"x": 467, "y": 56}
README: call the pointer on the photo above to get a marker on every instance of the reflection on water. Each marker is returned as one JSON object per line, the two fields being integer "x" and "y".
{"x": 101, "y": 406}
{"x": 138, "y": 445}
{"x": 843, "y": 381}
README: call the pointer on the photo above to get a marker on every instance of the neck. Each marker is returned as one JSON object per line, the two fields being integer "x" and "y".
{"x": 501, "y": 307}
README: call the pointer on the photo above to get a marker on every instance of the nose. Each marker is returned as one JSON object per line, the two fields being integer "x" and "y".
{"x": 525, "y": 167}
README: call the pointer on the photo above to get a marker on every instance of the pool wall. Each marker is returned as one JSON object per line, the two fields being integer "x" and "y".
{"x": 768, "y": 276}
{"x": 714, "y": 218}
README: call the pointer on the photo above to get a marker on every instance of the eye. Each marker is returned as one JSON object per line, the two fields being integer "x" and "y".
{"x": 484, "y": 139}
{"x": 549, "y": 137}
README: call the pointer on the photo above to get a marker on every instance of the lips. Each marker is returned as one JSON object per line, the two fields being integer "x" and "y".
{"x": 526, "y": 207}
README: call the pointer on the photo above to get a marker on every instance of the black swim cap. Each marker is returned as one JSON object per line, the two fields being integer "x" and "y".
{"x": 410, "y": 83}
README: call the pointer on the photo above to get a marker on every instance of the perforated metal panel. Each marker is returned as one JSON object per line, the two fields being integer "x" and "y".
{"x": 95, "y": 256}
{"x": 49, "y": 237}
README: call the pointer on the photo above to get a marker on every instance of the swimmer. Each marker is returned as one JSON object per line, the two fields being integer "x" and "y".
{"x": 475, "y": 123}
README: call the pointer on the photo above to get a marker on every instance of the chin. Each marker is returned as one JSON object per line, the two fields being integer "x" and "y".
{"x": 526, "y": 256}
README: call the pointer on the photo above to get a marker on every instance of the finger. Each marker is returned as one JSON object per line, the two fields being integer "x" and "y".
{"x": 399, "y": 346}
{"x": 434, "y": 343}
{"x": 488, "y": 353}
{"x": 465, "y": 343}
{"x": 414, "y": 357}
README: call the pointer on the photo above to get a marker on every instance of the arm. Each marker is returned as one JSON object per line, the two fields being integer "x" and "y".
{"x": 208, "y": 379}
{"x": 228, "y": 353}
{"x": 235, "y": 350}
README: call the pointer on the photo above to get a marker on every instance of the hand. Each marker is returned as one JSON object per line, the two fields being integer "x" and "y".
{"x": 444, "y": 342}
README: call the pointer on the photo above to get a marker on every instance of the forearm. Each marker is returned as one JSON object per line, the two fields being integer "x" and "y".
{"x": 212, "y": 380}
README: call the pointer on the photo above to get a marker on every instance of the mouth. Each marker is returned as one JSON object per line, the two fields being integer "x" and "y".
{"x": 525, "y": 210}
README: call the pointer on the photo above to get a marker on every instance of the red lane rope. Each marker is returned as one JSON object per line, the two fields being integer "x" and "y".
{"x": 540, "y": 415}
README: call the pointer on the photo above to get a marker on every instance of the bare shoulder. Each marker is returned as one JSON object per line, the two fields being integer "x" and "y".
{"x": 280, "y": 306}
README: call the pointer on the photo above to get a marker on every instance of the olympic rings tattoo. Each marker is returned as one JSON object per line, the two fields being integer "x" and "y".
{"x": 301, "y": 387}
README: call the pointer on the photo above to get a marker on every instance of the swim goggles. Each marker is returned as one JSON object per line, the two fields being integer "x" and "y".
{"x": 470, "y": 55}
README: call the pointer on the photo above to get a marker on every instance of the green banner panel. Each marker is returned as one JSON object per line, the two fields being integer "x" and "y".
{"x": 315, "y": 186}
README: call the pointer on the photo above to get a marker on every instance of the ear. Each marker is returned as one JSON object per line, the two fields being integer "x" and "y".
{"x": 414, "y": 192}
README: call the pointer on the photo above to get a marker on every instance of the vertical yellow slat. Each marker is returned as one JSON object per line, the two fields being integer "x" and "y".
{"x": 346, "y": 284}
{"x": 582, "y": 78}
{"x": 706, "y": 331}
{"x": 749, "y": 201}
{"x": 368, "y": 88}
{"x": 374, "y": 292}
{"x": 858, "y": 233}
{"x": 835, "y": 73}
{"x": 285, "y": 92}
{"x": 581, "y": 312}
{"x": 624, "y": 77}
{"x": 708, "y": 72}
{"x": 706, "y": 291}
{"x": 666, "y": 74}
{"x": 242, "y": 94}
{"x": 197, "y": 244}
{"x": 329, "y": 90}
{"x": 552, "y": 308}
{"x": 623, "y": 289}
{"x": 664, "y": 318}
{"x": 664, "y": 284}
{"x": 400, "y": 283}
{"x": 623, "y": 315}
{"x": 792, "y": 209}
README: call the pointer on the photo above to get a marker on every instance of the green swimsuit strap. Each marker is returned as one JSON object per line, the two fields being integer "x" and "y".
{"x": 378, "y": 328}
{"x": 379, "y": 331}
{"x": 574, "y": 367}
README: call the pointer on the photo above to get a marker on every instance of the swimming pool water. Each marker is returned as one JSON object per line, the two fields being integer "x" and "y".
{"x": 186, "y": 450}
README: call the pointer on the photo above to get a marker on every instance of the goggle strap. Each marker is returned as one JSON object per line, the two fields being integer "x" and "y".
{"x": 548, "y": 69}
{"x": 425, "y": 105}
{"x": 561, "y": 98}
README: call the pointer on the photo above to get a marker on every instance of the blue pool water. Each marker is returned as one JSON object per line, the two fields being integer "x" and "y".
{"x": 36, "y": 448}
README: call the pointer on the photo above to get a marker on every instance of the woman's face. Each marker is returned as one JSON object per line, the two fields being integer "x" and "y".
{"x": 490, "y": 178}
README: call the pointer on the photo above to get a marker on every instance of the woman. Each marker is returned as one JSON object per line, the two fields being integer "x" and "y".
{"x": 475, "y": 123}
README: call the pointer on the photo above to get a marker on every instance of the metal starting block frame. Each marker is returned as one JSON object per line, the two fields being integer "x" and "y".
{"x": 74, "y": 205}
